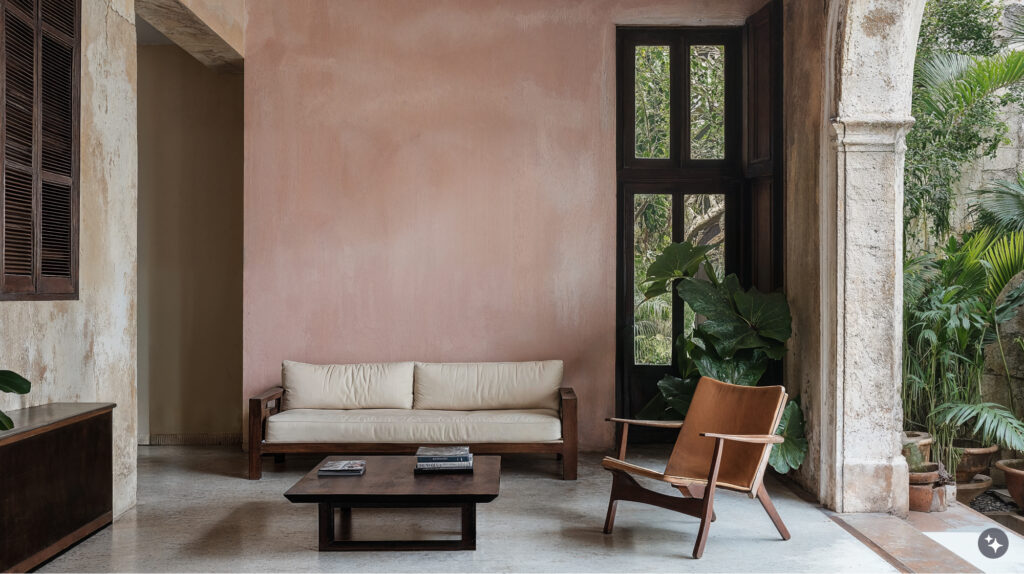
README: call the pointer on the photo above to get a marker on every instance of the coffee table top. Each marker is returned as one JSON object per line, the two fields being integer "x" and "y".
{"x": 390, "y": 479}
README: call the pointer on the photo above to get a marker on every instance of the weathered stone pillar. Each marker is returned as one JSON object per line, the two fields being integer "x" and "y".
{"x": 870, "y": 474}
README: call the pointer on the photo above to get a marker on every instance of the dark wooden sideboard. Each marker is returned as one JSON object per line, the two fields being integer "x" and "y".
{"x": 56, "y": 480}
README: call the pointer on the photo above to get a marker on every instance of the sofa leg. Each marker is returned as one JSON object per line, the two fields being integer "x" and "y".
{"x": 255, "y": 463}
{"x": 569, "y": 464}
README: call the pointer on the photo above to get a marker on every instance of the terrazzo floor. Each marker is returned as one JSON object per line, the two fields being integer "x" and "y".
{"x": 196, "y": 512}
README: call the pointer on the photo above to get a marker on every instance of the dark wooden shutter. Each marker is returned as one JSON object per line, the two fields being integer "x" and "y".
{"x": 40, "y": 130}
{"x": 762, "y": 146}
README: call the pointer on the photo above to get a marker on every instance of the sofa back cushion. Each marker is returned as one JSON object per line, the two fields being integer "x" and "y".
{"x": 487, "y": 386}
{"x": 365, "y": 386}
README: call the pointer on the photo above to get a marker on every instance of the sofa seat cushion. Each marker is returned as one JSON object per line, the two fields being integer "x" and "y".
{"x": 365, "y": 386}
{"x": 487, "y": 386}
{"x": 413, "y": 426}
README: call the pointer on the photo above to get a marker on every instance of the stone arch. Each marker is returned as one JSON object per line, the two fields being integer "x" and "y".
{"x": 870, "y": 50}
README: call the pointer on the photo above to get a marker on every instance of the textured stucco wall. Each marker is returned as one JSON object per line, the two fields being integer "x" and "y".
{"x": 190, "y": 248}
{"x": 436, "y": 181}
{"x": 85, "y": 350}
{"x": 803, "y": 92}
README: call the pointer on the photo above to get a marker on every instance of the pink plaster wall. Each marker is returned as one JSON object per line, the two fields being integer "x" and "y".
{"x": 435, "y": 181}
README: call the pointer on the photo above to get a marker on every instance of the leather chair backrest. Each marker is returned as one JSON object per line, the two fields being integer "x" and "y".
{"x": 719, "y": 407}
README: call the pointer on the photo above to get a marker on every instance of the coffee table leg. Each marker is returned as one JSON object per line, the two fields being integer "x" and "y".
{"x": 469, "y": 526}
{"x": 326, "y": 526}
{"x": 345, "y": 532}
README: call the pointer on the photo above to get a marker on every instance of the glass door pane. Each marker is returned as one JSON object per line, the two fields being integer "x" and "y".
{"x": 704, "y": 224}
{"x": 651, "y": 101}
{"x": 707, "y": 102}
{"x": 652, "y": 319}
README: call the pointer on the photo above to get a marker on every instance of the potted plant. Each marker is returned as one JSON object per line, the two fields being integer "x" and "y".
{"x": 11, "y": 382}
{"x": 952, "y": 310}
{"x": 738, "y": 334}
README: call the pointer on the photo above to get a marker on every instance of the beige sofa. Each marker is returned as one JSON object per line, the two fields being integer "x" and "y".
{"x": 495, "y": 408}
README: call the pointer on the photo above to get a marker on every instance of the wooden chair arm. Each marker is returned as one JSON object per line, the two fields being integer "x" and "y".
{"x": 648, "y": 423}
{"x": 754, "y": 438}
{"x": 639, "y": 422}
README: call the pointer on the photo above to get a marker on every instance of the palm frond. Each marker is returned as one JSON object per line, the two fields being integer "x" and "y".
{"x": 1000, "y": 205}
{"x": 952, "y": 83}
{"x": 992, "y": 422}
{"x": 1005, "y": 257}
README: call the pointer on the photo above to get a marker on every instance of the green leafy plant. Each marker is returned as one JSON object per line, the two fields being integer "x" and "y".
{"x": 960, "y": 82}
{"x": 952, "y": 310}
{"x": 739, "y": 333}
{"x": 11, "y": 382}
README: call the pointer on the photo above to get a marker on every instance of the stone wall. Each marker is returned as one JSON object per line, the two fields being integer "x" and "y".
{"x": 84, "y": 350}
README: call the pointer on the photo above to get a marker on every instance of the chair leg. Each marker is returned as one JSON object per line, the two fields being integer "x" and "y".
{"x": 766, "y": 502}
{"x": 708, "y": 506}
{"x": 609, "y": 519}
{"x": 694, "y": 492}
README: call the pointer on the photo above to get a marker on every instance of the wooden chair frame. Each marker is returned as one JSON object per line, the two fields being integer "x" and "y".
{"x": 698, "y": 496}
{"x": 268, "y": 403}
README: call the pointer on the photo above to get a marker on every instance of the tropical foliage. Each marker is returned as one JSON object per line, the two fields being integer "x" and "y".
{"x": 741, "y": 332}
{"x": 960, "y": 88}
{"x": 952, "y": 311}
{"x": 11, "y": 382}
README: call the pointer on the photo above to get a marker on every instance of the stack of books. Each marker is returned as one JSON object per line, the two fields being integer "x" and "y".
{"x": 342, "y": 468}
{"x": 443, "y": 459}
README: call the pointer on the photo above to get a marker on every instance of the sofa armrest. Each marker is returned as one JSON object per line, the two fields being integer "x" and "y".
{"x": 260, "y": 407}
{"x": 568, "y": 413}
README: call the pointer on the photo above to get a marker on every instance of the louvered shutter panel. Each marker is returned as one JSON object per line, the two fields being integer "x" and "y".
{"x": 40, "y": 129}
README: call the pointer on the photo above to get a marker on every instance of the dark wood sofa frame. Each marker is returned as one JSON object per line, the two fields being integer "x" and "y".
{"x": 269, "y": 403}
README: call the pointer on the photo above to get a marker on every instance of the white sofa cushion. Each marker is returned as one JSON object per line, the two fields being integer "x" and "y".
{"x": 413, "y": 426}
{"x": 487, "y": 386}
{"x": 366, "y": 386}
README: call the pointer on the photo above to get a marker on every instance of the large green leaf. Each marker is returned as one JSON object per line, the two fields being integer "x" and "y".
{"x": 767, "y": 313}
{"x": 744, "y": 368}
{"x": 678, "y": 392}
{"x": 789, "y": 455}
{"x": 11, "y": 382}
{"x": 714, "y": 303}
{"x": 657, "y": 409}
{"x": 678, "y": 260}
{"x": 5, "y": 422}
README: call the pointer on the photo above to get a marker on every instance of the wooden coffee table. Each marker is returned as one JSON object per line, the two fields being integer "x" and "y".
{"x": 389, "y": 482}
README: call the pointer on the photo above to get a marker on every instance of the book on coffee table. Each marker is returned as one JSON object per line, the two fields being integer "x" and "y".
{"x": 342, "y": 468}
{"x": 443, "y": 454}
{"x": 437, "y": 460}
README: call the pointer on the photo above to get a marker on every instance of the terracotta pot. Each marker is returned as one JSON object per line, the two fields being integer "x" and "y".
{"x": 976, "y": 459}
{"x": 921, "y": 496}
{"x": 927, "y": 475}
{"x": 968, "y": 491}
{"x": 922, "y": 440}
{"x": 1014, "y": 470}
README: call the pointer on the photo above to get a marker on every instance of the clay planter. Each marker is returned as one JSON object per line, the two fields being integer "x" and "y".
{"x": 1014, "y": 469}
{"x": 922, "y": 440}
{"x": 929, "y": 474}
{"x": 976, "y": 459}
{"x": 968, "y": 491}
{"x": 923, "y": 492}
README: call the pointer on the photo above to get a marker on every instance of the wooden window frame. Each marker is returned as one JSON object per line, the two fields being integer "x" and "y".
{"x": 677, "y": 176}
{"x": 40, "y": 286}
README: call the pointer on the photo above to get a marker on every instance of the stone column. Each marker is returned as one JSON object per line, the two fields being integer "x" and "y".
{"x": 869, "y": 473}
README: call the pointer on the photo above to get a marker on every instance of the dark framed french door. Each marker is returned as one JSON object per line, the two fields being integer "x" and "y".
{"x": 704, "y": 212}
{"x": 699, "y": 139}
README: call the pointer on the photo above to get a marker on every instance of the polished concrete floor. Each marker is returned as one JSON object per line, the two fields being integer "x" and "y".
{"x": 197, "y": 513}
